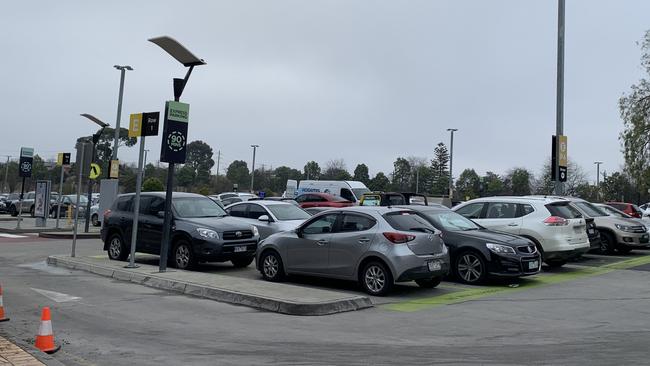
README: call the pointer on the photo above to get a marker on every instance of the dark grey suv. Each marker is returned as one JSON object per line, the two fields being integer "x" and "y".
{"x": 201, "y": 230}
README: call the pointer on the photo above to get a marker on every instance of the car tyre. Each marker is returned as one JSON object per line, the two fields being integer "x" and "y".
{"x": 183, "y": 256}
{"x": 429, "y": 282}
{"x": 470, "y": 268}
{"x": 271, "y": 266}
{"x": 376, "y": 279}
{"x": 607, "y": 243}
{"x": 556, "y": 263}
{"x": 117, "y": 248}
{"x": 13, "y": 211}
{"x": 242, "y": 262}
{"x": 95, "y": 220}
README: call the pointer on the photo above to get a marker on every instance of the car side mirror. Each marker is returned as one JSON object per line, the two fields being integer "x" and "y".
{"x": 161, "y": 214}
{"x": 264, "y": 218}
{"x": 298, "y": 233}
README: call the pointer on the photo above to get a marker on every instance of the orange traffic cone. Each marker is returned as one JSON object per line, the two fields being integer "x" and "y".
{"x": 2, "y": 308}
{"x": 45, "y": 337}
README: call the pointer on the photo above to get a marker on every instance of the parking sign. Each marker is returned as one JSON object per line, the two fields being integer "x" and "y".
{"x": 174, "y": 138}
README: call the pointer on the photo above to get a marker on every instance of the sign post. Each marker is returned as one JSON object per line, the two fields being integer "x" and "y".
{"x": 81, "y": 148}
{"x": 172, "y": 151}
{"x": 559, "y": 159}
{"x": 141, "y": 125}
{"x": 63, "y": 160}
{"x": 24, "y": 170}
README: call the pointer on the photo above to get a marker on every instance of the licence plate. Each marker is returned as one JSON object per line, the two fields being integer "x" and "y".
{"x": 240, "y": 249}
{"x": 533, "y": 265}
{"x": 591, "y": 231}
{"x": 434, "y": 266}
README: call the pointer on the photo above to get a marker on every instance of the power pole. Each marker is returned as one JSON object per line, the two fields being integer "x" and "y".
{"x": 253, "y": 168}
{"x": 559, "y": 111}
{"x": 4, "y": 185}
{"x": 598, "y": 177}
{"x": 451, "y": 161}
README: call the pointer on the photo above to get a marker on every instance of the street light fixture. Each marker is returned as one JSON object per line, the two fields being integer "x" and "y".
{"x": 253, "y": 168}
{"x": 116, "y": 142}
{"x": 451, "y": 162}
{"x": 188, "y": 59}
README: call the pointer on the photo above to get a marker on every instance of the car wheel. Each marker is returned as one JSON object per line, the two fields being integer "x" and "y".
{"x": 429, "y": 282}
{"x": 95, "y": 220}
{"x": 116, "y": 248}
{"x": 271, "y": 266}
{"x": 242, "y": 261}
{"x": 623, "y": 249}
{"x": 555, "y": 263}
{"x": 183, "y": 255}
{"x": 470, "y": 268}
{"x": 376, "y": 279}
{"x": 13, "y": 210}
{"x": 607, "y": 243}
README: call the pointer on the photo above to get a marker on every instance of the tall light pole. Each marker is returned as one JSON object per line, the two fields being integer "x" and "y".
{"x": 559, "y": 110}
{"x": 116, "y": 142}
{"x": 146, "y": 151}
{"x": 4, "y": 185}
{"x": 451, "y": 161}
{"x": 253, "y": 168}
{"x": 189, "y": 60}
{"x": 598, "y": 177}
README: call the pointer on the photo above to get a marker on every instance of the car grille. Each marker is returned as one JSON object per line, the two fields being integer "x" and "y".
{"x": 528, "y": 249}
{"x": 638, "y": 229}
{"x": 237, "y": 235}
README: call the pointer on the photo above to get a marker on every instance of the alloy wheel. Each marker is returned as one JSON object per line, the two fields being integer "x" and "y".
{"x": 182, "y": 256}
{"x": 270, "y": 266}
{"x": 115, "y": 248}
{"x": 375, "y": 278}
{"x": 470, "y": 268}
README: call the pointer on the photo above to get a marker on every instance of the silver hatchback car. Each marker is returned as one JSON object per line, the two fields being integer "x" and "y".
{"x": 376, "y": 246}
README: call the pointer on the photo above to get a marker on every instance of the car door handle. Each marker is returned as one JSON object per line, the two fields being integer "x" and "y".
{"x": 513, "y": 224}
{"x": 322, "y": 242}
{"x": 364, "y": 240}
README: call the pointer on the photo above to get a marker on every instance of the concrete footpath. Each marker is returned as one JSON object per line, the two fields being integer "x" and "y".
{"x": 10, "y": 354}
{"x": 277, "y": 297}
{"x": 28, "y": 225}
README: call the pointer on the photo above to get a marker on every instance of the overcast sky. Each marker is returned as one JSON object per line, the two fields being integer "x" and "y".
{"x": 365, "y": 81}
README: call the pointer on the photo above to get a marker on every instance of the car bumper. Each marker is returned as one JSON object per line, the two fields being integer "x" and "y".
{"x": 566, "y": 254}
{"x": 418, "y": 267}
{"x": 514, "y": 266}
{"x": 209, "y": 251}
{"x": 633, "y": 240}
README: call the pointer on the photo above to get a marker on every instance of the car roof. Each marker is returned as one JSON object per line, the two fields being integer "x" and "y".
{"x": 517, "y": 198}
{"x": 421, "y": 208}
{"x": 163, "y": 194}
{"x": 265, "y": 203}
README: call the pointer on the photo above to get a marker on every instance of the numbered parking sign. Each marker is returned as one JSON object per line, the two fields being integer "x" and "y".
{"x": 174, "y": 137}
{"x": 26, "y": 162}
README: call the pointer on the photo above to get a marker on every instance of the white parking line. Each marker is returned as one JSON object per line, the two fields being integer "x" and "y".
{"x": 11, "y": 236}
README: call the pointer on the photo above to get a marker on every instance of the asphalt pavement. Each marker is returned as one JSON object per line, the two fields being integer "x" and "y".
{"x": 594, "y": 312}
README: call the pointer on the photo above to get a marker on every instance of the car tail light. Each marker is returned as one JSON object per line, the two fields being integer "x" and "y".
{"x": 556, "y": 221}
{"x": 107, "y": 213}
{"x": 399, "y": 238}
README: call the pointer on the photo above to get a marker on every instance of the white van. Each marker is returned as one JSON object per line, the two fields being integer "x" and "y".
{"x": 348, "y": 189}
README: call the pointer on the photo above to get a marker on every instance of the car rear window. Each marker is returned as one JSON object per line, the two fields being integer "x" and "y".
{"x": 408, "y": 221}
{"x": 564, "y": 210}
{"x": 373, "y": 200}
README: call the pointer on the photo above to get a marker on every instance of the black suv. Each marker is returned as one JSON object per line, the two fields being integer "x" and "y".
{"x": 201, "y": 230}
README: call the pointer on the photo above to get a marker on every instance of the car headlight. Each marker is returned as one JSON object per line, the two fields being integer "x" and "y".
{"x": 625, "y": 228}
{"x": 207, "y": 233}
{"x": 255, "y": 231}
{"x": 500, "y": 249}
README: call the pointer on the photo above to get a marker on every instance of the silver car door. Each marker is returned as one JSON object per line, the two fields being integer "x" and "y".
{"x": 308, "y": 251}
{"x": 350, "y": 241}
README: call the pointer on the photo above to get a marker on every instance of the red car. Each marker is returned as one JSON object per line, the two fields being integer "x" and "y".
{"x": 314, "y": 199}
{"x": 629, "y": 208}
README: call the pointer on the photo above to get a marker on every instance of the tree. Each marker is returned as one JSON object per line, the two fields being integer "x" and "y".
{"x": 152, "y": 185}
{"x": 439, "y": 170}
{"x": 104, "y": 148}
{"x": 468, "y": 184}
{"x": 238, "y": 173}
{"x": 361, "y": 174}
{"x": 280, "y": 176}
{"x": 401, "y": 175}
{"x": 420, "y": 174}
{"x": 185, "y": 176}
{"x": 379, "y": 183}
{"x": 199, "y": 159}
{"x": 336, "y": 170}
{"x": 587, "y": 192}
{"x": 634, "y": 107}
{"x": 312, "y": 170}
{"x": 519, "y": 182}
{"x": 617, "y": 187}
{"x": 576, "y": 177}
{"x": 492, "y": 185}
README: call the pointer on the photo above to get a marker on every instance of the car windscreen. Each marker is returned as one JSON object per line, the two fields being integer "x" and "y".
{"x": 564, "y": 210}
{"x": 82, "y": 199}
{"x": 451, "y": 221}
{"x": 371, "y": 200}
{"x": 590, "y": 210}
{"x": 358, "y": 192}
{"x": 190, "y": 207}
{"x": 288, "y": 212}
{"x": 408, "y": 221}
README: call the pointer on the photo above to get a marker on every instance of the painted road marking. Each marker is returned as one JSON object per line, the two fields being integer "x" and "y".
{"x": 12, "y": 236}
{"x": 56, "y": 296}
{"x": 525, "y": 284}
{"x": 43, "y": 266}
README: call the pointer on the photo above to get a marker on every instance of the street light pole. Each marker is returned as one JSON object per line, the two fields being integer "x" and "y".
{"x": 253, "y": 169}
{"x": 116, "y": 142}
{"x": 146, "y": 151}
{"x": 451, "y": 162}
{"x": 4, "y": 185}
{"x": 598, "y": 177}
{"x": 559, "y": 112}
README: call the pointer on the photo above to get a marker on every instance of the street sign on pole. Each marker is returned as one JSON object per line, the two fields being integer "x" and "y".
{"x": 95, "y": 171}
{"x": 62, "y": 160}
{"x": 174, "y": 138}
{"x": 135, "y": 125}
{"x": 114, "y": 169}
{"x": 26, "y": 162}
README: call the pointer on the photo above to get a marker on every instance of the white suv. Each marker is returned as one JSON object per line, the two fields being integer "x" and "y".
{"x": 557, "y": 228}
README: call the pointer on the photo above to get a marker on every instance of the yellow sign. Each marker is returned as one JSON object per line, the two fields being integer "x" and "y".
{"x": 59, "y": 159}
{"x": 95, "y": 171}
{"x": 135, "y": 125}
{"x": 114, "y": 172}
{"x": 562, "y": 150}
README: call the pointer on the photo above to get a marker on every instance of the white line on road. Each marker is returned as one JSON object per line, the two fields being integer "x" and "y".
{"x": 56, "y": 296}
{"x": 11, "y": 236}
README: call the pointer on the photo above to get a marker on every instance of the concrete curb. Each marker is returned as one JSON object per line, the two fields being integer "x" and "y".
{"x": 30, "y": 230}
{"x": 219, "y": 294}
{"x": 67, "y": 235}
